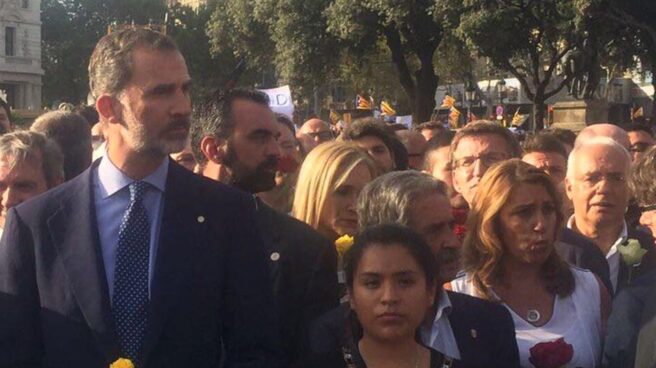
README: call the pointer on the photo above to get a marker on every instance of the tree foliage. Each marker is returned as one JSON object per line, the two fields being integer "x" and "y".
{"x": 529, "y": 39}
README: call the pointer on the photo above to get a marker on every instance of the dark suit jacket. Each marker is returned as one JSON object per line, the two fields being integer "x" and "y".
{"x": 582, "y": 252}
{"x": 303, "y": 270}
{"x": 484, "y": 332}
{"x": 632, "y": 324}
{"x": 209, "y": 290}
{"x": 648, "y": 261}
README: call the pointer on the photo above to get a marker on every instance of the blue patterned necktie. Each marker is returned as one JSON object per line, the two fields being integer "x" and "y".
{"x": 130, "y": 300}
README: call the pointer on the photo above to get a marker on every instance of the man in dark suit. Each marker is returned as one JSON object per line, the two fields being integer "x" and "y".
{"x": 137, "y": 257}
{"x": 596, "y": 182}
{"x": 234, "y": 137}
{"x": 475, "y": 331}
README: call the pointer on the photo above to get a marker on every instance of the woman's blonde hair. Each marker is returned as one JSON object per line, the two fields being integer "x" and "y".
{"x": 483, "y": 249}
{"x": 324, "y": 169}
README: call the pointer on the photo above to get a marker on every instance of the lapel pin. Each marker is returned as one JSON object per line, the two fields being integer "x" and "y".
{"x": 200, "y": 219}
{"x": 474, "y": 333}
{"x": 275, "y": 256}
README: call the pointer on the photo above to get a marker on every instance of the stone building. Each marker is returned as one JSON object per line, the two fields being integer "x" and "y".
{"x": 20, "y": 53}
{"x": 192, "y": 3}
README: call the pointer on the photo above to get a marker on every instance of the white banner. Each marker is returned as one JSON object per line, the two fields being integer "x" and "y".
{"x": 280, "y": 100}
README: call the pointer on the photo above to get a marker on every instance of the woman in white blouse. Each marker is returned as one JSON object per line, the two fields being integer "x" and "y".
{"x": 509, "y": 257}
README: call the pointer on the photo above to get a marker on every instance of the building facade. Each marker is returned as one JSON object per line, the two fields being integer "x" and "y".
{"x": 20, "y": 53}
{"x": 192, "y": 3}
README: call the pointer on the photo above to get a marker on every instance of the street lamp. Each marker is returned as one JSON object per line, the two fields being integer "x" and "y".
{"x": 470, "y": 96}
{"x": 501, "y": 88}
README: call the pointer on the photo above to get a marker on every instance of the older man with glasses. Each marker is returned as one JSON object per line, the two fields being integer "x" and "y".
{"x": 314, "y": 132}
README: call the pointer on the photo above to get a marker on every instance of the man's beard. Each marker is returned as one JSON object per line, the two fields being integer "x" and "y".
{"x": 260, "y": 179}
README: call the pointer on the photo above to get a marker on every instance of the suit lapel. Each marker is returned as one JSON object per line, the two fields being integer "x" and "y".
{"x": 178, "y": 231}
{"x": 74, "y": 232}
{"x": 647, "y": 264}
{"x": 266, "y": 219}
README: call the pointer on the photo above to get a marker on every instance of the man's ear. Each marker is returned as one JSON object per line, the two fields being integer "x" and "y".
{"x": 568, "y": 188}
{"x": 213, "y": 148}
{"x": 109, "y": 109}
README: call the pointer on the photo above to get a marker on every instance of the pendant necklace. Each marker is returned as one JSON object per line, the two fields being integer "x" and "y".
{"x": 533, "y": 315}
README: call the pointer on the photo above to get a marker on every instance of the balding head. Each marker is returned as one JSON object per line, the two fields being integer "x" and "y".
{"x": 415, "y": 144}
{"x": 604, "y": 130}
{"x": 314, "y": 132}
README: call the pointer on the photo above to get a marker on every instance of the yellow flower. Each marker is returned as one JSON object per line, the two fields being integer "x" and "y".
{"x": 122, "y": 363}
{"x": 631, "y": 252}
{"x": 343, "y": 244}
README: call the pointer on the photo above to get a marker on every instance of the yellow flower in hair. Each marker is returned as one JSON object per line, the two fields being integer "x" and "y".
{"x": 122, "y": 363}
{"x": 343, "y": 244}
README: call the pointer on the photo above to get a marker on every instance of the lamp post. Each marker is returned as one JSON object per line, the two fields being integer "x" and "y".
{"x": 470, "y": 96}
{"x": 501, "y": 88}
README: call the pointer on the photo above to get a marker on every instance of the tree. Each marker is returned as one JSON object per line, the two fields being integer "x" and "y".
{"x": 639, "y": 34}
{"x": 527, "y": 38}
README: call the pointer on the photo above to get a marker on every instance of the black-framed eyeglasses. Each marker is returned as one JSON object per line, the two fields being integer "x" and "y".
{"x": 323, "y": 136}
{"x": 651, "y": 207}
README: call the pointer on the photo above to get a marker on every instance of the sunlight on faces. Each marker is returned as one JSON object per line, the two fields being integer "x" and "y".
{"x": 338, "y": 216}
{"x": 471, "y": 159}
{"x": 20, "y": 183}
{"x": 440, "y": 168}
{"x": 430, "y": 216}
{"x": 598, "y": 188}
{"x": 527, "y": 224}
{"x": 155, "y": 104}
{"x": 648, "y": 219}
{"x": 377, "y": 149}
{"x": 554, "y": 164}
{"x": 390, "y": 295}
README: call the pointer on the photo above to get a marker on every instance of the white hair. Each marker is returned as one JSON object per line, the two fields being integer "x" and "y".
{"x": 591, "y": 142}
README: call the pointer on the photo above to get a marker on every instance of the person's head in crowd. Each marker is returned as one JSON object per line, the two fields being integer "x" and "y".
{"x": 415, "y": 144}
{"x": 430, "y": 129}
{"x": 419, "y": 201}
{"x": 514, "y": 222}
{"x": 89, "y": 114}
{"x": 30, "y": 164}
{"x": 280, "y": 197}
{"x": 565, "y": 136}
{"x": 545, "y": 152}
{"x": 596, "y": 182}
{"x": 641, "y": 138}
{"x": 329, "y": 182}
{"x": 97, "y": 135}
{"x": 234, "y": 137}
{"x": 314, "y": 132}
{"x": 611, "y": 131}
{"x": 437, "y": 162}
{"x": 142, "y": 88}
{"x": 390, "y": 269}
{"x": 372, "y": 136}
{"x": 73, "y": 135}
{"x": 641, "y": 183}
{"x": 5, "y": 117}
{"x": 396, "y": 127}
{"x": 186, "y": 158}
{"x": 474, "y": 149}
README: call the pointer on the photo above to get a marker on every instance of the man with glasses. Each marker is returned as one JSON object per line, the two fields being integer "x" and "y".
{"x": 641, "y": 138}
{"x": 596, "y": 183}
{"x": 474, "y": 149}
{"x": 314, "y": 132}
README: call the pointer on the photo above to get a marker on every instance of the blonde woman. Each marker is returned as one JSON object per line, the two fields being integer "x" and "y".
{"x": 509, "y": 257}
{"x": 329, "y": 182}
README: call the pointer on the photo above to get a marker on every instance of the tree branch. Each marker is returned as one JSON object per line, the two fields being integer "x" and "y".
{"x": 393, "y": 40}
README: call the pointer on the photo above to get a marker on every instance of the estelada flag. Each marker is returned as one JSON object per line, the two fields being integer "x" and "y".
{"x": 448, "y": 101}
{"x": 454, "y": 116}
{"x": 387, "y": 109}
{"x": 362, "y": 103}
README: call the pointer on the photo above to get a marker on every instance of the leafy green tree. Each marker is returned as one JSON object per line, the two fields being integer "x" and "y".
{"x": 529, "y": 39}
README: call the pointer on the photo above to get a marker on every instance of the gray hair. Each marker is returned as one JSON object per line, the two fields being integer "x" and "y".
{"x": 387, "y": 199}
{"x": 19, "y": 146}
{"x": 110, "y": 67}
{"x": 73, "y": 135}
{"x": 591, "y": 142}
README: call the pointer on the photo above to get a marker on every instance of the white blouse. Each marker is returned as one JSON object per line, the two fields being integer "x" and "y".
{"x": 576, "y": 318}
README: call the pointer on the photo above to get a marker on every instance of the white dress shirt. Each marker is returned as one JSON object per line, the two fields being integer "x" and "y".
{"x": 613, "y": 256}
{"x": 439, "y": 335}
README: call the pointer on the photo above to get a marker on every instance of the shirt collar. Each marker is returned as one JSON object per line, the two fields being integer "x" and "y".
{"x": 443, "y": 305}
{"x": 113, "y": 180}
{"x": 624, "y": 234}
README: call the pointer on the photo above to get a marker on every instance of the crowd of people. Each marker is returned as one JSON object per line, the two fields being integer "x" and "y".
{"x": 145, "y": 232}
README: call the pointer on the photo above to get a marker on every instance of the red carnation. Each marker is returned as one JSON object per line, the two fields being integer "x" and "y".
{"x": 554, "y": 354}
{"x": 459, "y": 231}
{"x": 287, "y": 164}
